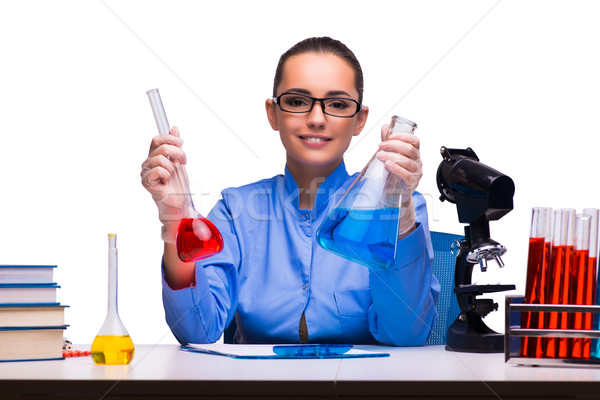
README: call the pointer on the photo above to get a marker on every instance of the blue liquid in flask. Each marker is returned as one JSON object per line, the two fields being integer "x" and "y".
{"x": 367, "y": 237}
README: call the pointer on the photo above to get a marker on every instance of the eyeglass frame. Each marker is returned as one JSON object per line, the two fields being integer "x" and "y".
{"x": 359, "y": 107}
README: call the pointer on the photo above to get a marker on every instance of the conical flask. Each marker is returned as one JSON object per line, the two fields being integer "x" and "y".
{"x": 197, "y": 237}
{"x": 112, "y": 345}
{"x": 363, "y": 226}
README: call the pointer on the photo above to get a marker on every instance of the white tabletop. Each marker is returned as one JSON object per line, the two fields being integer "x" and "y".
{"x": 432, "y": 371}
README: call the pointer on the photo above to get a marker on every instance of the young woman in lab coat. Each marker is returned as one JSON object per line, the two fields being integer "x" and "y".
{"x": 272, "y": 276}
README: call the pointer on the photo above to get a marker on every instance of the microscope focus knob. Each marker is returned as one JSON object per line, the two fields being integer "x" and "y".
{"x": 455, "y": 248}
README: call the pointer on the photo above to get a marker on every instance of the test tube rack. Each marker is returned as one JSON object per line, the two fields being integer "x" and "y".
{"x": 514, "y": 333}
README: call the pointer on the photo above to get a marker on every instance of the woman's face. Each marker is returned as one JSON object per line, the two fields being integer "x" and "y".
{"x": 315, "y": 139}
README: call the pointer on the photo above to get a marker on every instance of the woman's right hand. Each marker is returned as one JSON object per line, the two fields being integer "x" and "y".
{"x": 157, "y": 174}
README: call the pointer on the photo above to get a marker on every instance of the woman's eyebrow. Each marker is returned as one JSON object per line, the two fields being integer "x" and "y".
{"x": 299, "y": 90}
{"x": 338, "y": 93}
{"x": 329, "y": 93}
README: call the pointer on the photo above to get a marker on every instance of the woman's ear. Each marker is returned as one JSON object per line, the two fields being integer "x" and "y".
{"x": 271, "y": 109}
{"x": 361, "y": 120}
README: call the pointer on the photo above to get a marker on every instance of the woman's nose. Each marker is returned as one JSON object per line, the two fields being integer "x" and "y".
{"x": 316, "y": 117}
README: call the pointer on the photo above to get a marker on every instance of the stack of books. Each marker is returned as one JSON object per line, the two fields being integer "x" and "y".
{"x": 32, "y": 322}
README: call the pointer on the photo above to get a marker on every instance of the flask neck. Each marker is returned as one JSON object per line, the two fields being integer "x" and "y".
{"x": 112, "y": 324}
{"x": 112, "y": 281}
{"x": 401, "y": 125}
{"x": 182, "y": 187}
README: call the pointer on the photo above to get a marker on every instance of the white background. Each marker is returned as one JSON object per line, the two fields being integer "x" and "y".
{"x": 518, "y": 81}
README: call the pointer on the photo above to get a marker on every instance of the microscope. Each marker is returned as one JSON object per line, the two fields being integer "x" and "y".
{"x": 481, "y": 194}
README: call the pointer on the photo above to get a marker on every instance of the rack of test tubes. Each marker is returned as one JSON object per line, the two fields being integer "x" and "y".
{"x": 550, "y": 346}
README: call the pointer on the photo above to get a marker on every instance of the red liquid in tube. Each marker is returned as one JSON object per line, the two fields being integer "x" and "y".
{"x": 589, "y": 299}
{"x": 535, "y": 293}
{"x": 559, "y": 276}
{"x": 565, "y": 344}
{"x": 577, "y": 296}
{"x": 197, "y": 238}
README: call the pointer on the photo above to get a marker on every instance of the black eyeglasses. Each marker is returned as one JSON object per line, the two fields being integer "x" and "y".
{"x": 334, "y": 106}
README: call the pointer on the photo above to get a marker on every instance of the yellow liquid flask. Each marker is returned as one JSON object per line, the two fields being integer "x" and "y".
{"x": 363, "y": 226}
{"x": 197, "y": 237}
{"x": 112, "y": 345}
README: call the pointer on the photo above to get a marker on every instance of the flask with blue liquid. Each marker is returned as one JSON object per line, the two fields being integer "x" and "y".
{"x": 363, "y": 226}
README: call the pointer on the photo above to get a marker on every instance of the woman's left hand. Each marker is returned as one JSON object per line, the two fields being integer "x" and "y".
{"x": 402, "y": 157}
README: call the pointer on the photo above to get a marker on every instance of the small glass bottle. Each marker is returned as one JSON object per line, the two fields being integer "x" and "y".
{"x": 363, "y": 226}
{"x": 112, "y": 345}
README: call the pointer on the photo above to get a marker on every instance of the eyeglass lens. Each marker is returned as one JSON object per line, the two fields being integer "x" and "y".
{"x": 298, "y": 103}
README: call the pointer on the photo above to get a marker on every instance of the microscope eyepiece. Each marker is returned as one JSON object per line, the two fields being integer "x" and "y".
{"x": 476, "y": 189}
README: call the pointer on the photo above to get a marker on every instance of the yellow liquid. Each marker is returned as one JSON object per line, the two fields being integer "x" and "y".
{"x": 112, "y": 350}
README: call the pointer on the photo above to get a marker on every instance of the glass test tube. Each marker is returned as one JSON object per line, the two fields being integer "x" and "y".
{"x": 540, "y": 241}
{"x": 578, "y": 285}
{"x": 592, "y": 321}
{"x": 558, "y": 282}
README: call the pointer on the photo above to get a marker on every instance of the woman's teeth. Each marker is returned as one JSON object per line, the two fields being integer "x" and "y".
{"x": 314, "y": 139}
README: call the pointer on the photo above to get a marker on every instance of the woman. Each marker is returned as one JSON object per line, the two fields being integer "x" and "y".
{"x": 272, "y": 276}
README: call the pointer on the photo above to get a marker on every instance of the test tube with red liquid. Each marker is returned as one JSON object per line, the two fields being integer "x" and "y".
{"x": 540, "y": 241}
{"x": 578, "y": 283}
{"x": 557, "y": 289}
{"x": 591, "y": 280}
{"x": 197, "y": 237}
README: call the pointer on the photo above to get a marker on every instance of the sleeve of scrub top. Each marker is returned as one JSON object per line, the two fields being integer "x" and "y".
{"x": 201, "y": 312}
{"x": 404, "y": 296}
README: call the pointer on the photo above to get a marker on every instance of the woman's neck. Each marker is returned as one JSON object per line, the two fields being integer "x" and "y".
{"x": 309, "y": 178}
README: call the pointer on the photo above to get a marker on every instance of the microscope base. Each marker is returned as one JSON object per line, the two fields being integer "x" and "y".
{"x": 463, "y": 338}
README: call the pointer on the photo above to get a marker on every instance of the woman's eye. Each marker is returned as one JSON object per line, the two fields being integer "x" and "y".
{"x": 296, "y": 102}
{"x": 338, "y": 104}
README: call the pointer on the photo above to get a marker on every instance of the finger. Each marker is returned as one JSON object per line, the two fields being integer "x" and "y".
{"x": 155, "y": 181}
{"x": 400, "y": 147}
{"x": 384, "y": 131}
{"x": 172, "y": 152}
{"x": 174, "y": 132}
{"x": 160, "y": 140}
{"x": 411, "y": 179}
{"x": 398, "y": 170}
{"x": 409, "y": 164}
{"x": 407, "y": 138}
{"x": 154, "y": 176}
{"x": 158, "y": 161}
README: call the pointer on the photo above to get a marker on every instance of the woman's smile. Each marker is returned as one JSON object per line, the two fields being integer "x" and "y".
{"x": 315, "y": 140}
